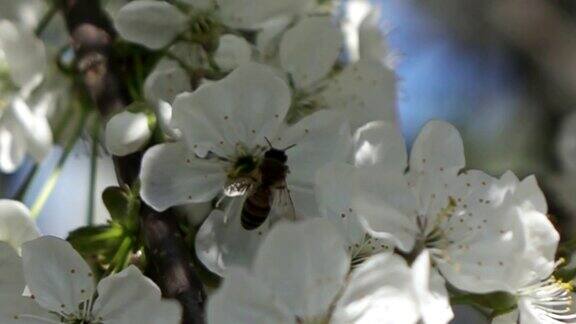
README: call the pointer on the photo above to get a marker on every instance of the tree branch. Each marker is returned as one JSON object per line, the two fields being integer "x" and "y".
{"x": 92, "y": 36}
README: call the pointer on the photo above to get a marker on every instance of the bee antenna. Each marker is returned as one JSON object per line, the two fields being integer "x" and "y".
{"x": 289, "y": 147}
{"x": 268, "y": 141}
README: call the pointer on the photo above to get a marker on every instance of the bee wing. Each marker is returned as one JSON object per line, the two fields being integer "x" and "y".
{"x": 282, "y": 205}
{"x": 239, "y": 187}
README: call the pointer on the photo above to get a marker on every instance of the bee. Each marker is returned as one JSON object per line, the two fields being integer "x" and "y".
{"x": 266, "y": 190}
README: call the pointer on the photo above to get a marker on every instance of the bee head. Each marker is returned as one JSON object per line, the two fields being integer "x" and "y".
{"x": 276, "y": 154}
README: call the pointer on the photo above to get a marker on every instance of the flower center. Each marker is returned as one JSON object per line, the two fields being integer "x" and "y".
{"x": 552, "y": 298}
{"x": 82, "y": 316}
{"x": 433, "y": 235}
{"x": 244, "y": 165}
{"x": 366, "y": 248}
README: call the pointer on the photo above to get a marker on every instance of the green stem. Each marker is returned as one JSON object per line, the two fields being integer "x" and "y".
{"x": 50, "y": 184}
{"x": 120, "y": 259}
{"x": 46, "y": 20}
{"x": 93, "y": 172}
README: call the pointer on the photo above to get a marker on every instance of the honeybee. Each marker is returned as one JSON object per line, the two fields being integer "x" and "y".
{"x": 266, "y": 189}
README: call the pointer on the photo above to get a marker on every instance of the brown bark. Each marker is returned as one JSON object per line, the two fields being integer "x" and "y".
{"x": 92, "y": 37}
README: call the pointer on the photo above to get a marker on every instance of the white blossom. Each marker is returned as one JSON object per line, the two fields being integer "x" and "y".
{"x": 299, "y": 276}
{"x": 22, "y": 130}
{"x": 479, "y": 230}
{"x": 151, "y": 23}
{"x": 364, "y": 91}
{"x": 156, "y": 24}
{"x": 63, "y": 291}
{"x": 230, "y": 121}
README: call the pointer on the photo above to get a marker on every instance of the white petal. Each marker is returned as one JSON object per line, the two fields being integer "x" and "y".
{"x": 365, "y": 91}
{"x": 33, "y": 127}
{"x": 431, "y": 292}
{"x": 12, "y": 148}
{"x": 16, "y": 225}
{"x": 232, "y": 52}
{"x": 130, "y": 297}
{"x": 242, "y": 299}
{"x": 438, "y": 147}
{"x": 372, "y": 41}
{"x": 245, "y": 107}
{"x": 319, "y": 138}
{"x": 501, "y": 242}
{"x": 164, "y": 84}
{"x": 309, "y": 50}
{"x": 379, "y": 291}
{"x": 11, "y": 275}
{"x": 151, "y": 23}
{"x": 380, "y": 142}
{"x": 24, "y": 12}
{"x": 269, "y": 37}
{"x": 354, "y": 13}
{"x": 56, "y": 274}
{"x": 222, "y": 242}
{"x": 531, "y": 196}
{"x": 386, "y": 206}
{"x": 126, "y": 133}
{"x": 16, "y": 309}
{"x": 163, "y": 111}
{"x": 304, "y": 263}
{"x": 253, "y": 13}
{"x": 542, "y": 243}
{"x": 333, "y": 192}
{"x": 171, "y": 175}
{"x": 24, "y": 53}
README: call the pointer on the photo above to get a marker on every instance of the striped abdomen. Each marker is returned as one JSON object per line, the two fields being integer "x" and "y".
{"x": 257, "y": 207}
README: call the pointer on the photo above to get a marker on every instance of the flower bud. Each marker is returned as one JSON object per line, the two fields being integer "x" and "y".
{"x": 127, "y": 132}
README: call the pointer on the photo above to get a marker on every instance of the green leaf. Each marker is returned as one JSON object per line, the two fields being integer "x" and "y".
{"x": 123, "y": 205}
{"x": 500, "y": 302}
{"x": 96, "y": 240}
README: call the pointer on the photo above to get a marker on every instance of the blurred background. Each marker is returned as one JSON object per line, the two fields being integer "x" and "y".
{"x": 502, "y": 71}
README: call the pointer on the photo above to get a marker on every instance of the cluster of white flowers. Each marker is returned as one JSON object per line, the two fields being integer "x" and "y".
{"x": 353, "y": 229}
